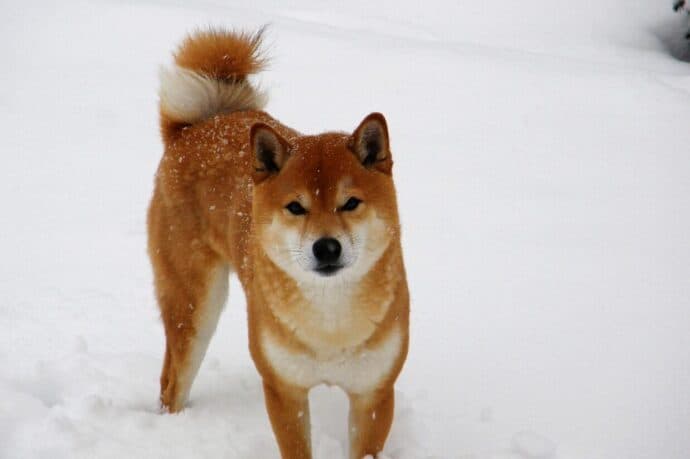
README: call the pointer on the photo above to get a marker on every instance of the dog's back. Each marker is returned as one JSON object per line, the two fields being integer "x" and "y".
{"x": 198, "y": 219}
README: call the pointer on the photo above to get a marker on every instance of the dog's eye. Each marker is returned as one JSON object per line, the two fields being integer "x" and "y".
{"x": 296, "y": 208}
{"x": 351, "y": 204}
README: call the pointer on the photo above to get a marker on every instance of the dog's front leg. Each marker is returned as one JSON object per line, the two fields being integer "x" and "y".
{"x": 288, "y": 409}
{"x": 371, "y": 416}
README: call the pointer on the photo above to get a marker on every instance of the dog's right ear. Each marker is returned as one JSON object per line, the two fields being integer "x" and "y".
{"x": 269, "y": 150}
{"x": 371, "y": 145}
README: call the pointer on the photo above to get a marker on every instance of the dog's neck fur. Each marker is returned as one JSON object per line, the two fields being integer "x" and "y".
{"x": 331, "y": 316}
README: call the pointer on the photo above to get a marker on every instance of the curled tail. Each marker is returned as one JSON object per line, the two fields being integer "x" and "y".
{"x": 210, "y": 77}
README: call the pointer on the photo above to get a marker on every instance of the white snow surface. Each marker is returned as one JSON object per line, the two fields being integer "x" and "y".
{"x": 542, "y": 158}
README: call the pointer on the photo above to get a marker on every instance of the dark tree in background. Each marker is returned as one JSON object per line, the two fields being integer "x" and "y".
{"x": 680, "y": 5}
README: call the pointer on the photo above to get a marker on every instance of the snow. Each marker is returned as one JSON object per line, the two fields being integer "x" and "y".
{"x": 542, "y": 166}
{"x": 531, "y": 445}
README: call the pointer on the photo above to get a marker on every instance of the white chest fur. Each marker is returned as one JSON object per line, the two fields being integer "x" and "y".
{"x": 355, "y": 370}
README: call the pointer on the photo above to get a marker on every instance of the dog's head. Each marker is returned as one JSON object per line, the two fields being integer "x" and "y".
{"x": 324, "y": 206}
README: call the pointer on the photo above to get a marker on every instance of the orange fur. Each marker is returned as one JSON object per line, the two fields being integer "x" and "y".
{"x": 222, "y": 55}
{"x": 220, "y": 203}
{"x": 222, "y": 60}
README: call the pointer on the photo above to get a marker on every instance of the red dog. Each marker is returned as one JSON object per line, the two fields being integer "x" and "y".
{"x": 308, "y": 223}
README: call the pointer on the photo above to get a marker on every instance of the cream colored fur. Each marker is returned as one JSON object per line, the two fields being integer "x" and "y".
{"x": 190, "y": 97}
{"x": 205, "y": 326}
{"x": 357, "y": 371}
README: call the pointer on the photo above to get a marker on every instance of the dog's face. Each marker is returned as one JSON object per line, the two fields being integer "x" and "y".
{"x": 324, "y": 206}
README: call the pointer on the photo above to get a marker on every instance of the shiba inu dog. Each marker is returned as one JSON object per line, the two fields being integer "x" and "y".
{"x": 309, "y": 223}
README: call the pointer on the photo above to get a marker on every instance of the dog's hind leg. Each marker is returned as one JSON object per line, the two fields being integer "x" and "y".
{"x": 166, "y": 369}
{"x": 190, "y": 301}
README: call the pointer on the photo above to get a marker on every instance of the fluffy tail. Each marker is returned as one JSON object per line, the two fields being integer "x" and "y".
{"x": 210, "y": 77}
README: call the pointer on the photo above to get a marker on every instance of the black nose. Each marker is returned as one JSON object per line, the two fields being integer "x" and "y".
{"x": 327, "y": 250}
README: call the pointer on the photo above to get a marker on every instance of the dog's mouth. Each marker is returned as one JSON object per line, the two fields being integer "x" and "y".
{"x": 328, "y": 270}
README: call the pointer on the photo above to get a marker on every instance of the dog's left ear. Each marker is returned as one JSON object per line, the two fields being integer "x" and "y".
{"x": 269, "y": 149}
{"x": 370, "y": 143}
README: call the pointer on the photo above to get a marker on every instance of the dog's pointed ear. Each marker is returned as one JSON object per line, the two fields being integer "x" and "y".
{"x": 371, "y": 145}
{"x": 269, "y": 151}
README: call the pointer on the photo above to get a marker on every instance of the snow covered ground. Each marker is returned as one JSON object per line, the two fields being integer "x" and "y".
{"x": 543, "y": 167}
